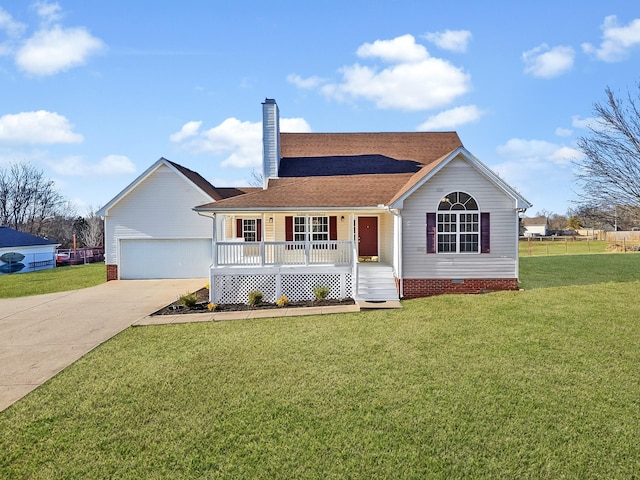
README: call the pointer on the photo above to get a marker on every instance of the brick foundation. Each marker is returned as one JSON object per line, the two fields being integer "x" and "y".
{"x": 426, "y": 287}
{"x": 112, "y": 272}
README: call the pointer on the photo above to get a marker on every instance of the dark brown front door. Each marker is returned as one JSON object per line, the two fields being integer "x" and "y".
{"x": 368, "y": 236}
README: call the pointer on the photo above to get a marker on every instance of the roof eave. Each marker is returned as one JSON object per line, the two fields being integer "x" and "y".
{"x": 286, "y": 209}
{"x": 103, "y": 212}
{"x": 520, "y": 202}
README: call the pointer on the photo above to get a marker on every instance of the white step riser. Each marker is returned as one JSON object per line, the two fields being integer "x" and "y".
{"x": 376, "y": 284}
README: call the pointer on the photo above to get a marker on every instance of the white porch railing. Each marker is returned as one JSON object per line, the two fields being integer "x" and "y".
{"x": 334, "y": 252}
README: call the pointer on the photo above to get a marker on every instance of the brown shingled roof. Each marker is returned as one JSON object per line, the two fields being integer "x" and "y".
{"x": 423, "y": 147}
{"x": 320, "y": 192}
{"x": 202, "y": 183}
{"x": 354, "y": 190}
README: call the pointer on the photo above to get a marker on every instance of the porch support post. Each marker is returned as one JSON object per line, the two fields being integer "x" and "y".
{"x": 262, "y": 237}
{"x": 354, "y": 254}
{"x": 397, "y": 247}
{"x": 214, "y": 246}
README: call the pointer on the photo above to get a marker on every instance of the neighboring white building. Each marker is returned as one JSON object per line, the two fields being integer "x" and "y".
{"x": 535, "y": 227}
{"x": 22, "y": 252}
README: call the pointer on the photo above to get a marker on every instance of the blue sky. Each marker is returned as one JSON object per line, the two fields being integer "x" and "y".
{"x": 94, "y": 91}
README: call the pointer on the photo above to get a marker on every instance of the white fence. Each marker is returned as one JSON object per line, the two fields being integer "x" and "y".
{"x": 283, "y": 253}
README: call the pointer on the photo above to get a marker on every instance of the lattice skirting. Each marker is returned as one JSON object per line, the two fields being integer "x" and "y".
{"x": 297, "y": 287}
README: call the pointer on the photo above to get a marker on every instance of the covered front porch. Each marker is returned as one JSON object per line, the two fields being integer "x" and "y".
{"x": 290, "y": 253}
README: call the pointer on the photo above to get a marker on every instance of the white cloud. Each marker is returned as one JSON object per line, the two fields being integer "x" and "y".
{"x": 294, "y": 125}
{"x": 413, "y": 81}
{"x": 452, "y": 118}
{"x": 542, "y": 171}
{"x": 57, "y": 49}
{"x": 546, "y": 62}
{"x": 36, "y": 128}
{"x": 189, "y": 129}
{"x": 305, "y": 83}
{"x": 111, "y": 165}
{"x": 588, "y": 122}
{"x": 240, "y": 142}
{"x": 114, "y": 165}
{"x": 11, "y": 27}
{"x": 48, "y": 12}
{"x": 566, "y": 155}
{"x": 564, "y": 132}
{"x": 403, "y": 49}
{"x": 537, "y": 151}
{"x": 453, "y": 40}
{"x": 617, "y": 40}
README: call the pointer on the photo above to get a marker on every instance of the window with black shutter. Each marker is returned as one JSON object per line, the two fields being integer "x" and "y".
{"x": 458, "y": 226}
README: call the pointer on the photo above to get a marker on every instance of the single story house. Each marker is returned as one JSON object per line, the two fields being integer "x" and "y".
{"x": 22, "y": 252}
{"x": 374, "y": 216}
{"x": 535, "y": 226}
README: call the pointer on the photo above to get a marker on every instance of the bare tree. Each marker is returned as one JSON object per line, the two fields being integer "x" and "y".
{"x": 91, "y": 233}
{"x": 27, "y": 198}
{"x": 256, "y": 179}
{"x": 60, "y": 229}
{"x": 609, "y": 174}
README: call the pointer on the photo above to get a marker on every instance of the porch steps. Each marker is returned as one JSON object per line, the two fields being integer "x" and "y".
{"x": 376, "y": 283}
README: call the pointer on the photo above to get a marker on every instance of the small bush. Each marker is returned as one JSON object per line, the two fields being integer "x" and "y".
{"x": 283, "y": 301}
{"x": 321, "y": 292}
{"x": 188, "y": 300}
{"x": 255, "y": 297}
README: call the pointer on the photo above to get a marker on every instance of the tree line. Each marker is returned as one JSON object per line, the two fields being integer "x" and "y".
{"x": 30, "y": 203}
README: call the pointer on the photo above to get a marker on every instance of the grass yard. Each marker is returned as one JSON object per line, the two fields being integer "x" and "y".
{"x": 542, "y": 383}
{"x": 59, "y": 279}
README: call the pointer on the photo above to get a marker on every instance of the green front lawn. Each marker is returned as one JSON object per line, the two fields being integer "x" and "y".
{"x": 59, "y": 279}
{"x": 542, "y": 383}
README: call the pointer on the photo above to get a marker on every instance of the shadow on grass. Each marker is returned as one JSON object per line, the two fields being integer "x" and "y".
{"x": 566, "y": 270}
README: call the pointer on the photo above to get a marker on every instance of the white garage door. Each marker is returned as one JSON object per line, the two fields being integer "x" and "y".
{"x": 185, "y": 258}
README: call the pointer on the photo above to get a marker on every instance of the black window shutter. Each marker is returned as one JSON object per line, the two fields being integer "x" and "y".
{"x": 239, "y": 227}
{"x": 431, "y": 233}
{"x": 485, "y": 233}
{"x": 259, "y": 230}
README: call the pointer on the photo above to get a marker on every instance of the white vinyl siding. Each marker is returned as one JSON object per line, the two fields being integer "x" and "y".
{"x": 159, "y": 207}
{"x": 385, "y": 236}
{"x": 459, "y": 175}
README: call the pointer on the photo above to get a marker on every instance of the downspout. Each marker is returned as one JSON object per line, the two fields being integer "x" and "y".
{"x": 398, "y": 250}
{"x": 518, "y": 212}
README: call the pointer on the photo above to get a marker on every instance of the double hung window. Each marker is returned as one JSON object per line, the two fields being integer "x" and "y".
{"x": 314, "y": 229}
{"x": 458, "y": 226}
{"x": 250, "y": 230}
{"x": 458, "y": 223}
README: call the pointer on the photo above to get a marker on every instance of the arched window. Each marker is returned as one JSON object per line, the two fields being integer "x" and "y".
{"x": 458, "y": 224}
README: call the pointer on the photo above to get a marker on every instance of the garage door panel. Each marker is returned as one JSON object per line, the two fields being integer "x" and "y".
{"x": 184, "y": 258}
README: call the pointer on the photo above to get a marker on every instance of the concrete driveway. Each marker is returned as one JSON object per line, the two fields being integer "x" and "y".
{"x": 41, "y": 335}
